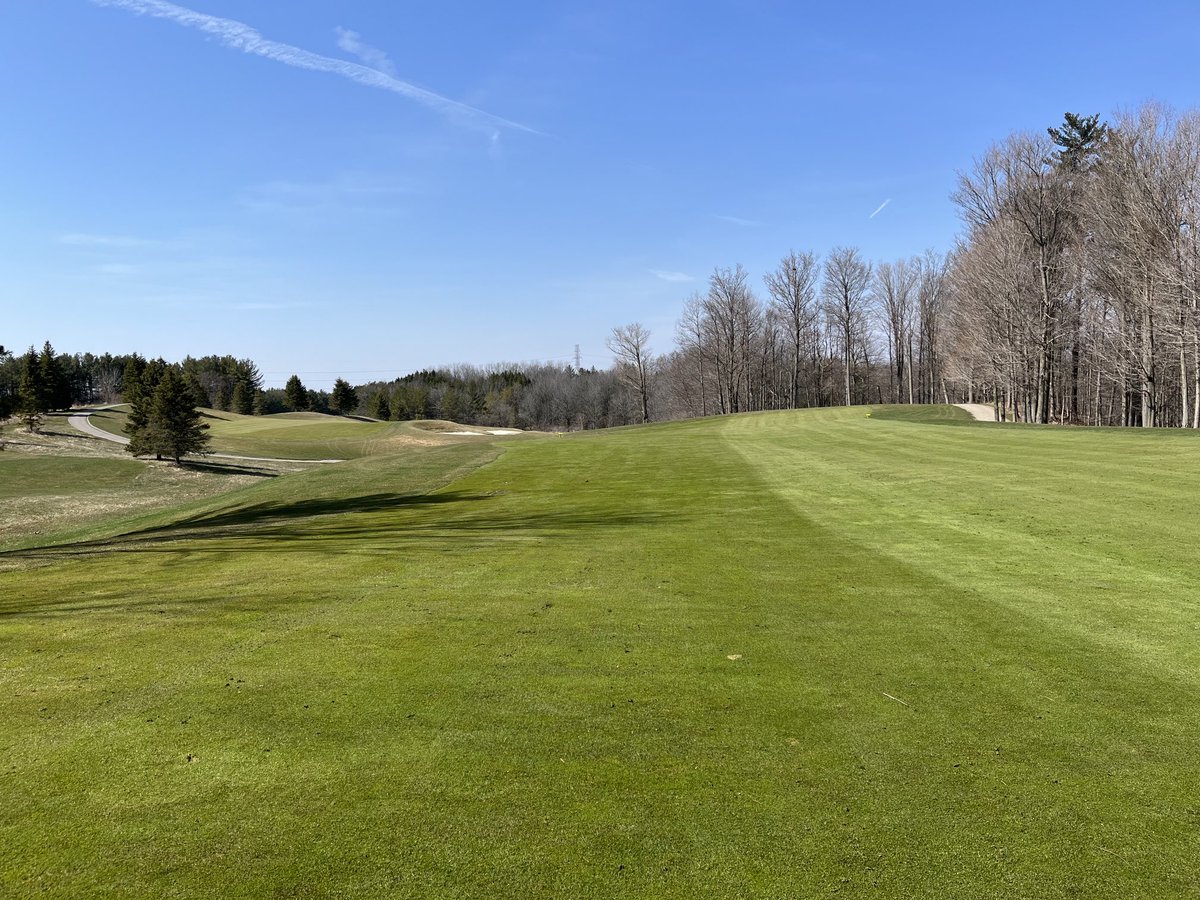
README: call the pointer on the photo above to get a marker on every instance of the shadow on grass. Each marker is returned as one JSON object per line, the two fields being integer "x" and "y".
{"x": 382, "y": 523}
{"x": 217, "y": 467}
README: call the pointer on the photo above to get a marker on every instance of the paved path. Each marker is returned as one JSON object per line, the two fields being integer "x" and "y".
{"x": 981, "y": 411}
{"x": 82, "y": 422}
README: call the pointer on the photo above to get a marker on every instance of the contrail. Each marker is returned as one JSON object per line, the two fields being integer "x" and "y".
{"x": 351, "y": 42}
{"x": 881, "y": 206}
{"x": 239, "y": 36}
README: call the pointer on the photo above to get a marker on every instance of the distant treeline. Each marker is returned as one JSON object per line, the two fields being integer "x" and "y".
{"x": 530, "y": 395}
{"x": 218, "y": 382}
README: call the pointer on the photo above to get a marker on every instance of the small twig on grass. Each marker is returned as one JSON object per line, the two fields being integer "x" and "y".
{"x": 897, "y": 699}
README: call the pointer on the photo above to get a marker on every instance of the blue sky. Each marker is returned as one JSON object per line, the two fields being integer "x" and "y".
{"x": 174, "y": 184}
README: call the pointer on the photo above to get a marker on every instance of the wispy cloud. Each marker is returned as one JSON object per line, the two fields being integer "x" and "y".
{"x": 674, "y": 277}
{"x": 880, "y": 208}
{"x": 352, "y": 43}
{"x": 240, "y": 36}
{"x": 118, "y": 269}
{"x": 109, "y": 241}
{"x": 738, "y": 220}
{"x": 348, "y": 192}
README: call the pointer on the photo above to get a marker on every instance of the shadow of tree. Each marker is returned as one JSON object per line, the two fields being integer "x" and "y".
{"x": 378, "y": 523}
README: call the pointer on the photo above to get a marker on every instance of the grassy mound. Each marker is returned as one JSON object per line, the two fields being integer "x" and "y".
{"x": 302, "y": 435}
{"x": 783, "y": 654}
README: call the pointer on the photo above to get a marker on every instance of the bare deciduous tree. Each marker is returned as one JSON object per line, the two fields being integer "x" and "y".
{"x": 630, "y": 345}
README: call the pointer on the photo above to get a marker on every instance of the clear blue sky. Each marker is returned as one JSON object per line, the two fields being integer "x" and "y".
{"x": 176, "y": 184}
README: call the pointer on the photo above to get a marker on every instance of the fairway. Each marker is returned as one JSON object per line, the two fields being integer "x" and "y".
{"x": 887, "y": 652}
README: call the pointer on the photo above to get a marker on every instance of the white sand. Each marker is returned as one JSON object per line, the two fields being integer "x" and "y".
{"x": 981, "y": 411}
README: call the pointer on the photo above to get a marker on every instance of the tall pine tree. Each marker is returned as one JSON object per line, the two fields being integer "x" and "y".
{"x": 344, "y": 399}
{"x": 172, "y": 425}
{"x": 31, "y": 405}
{"x": 55, "y": 386}
{"x": 295, "y": 397}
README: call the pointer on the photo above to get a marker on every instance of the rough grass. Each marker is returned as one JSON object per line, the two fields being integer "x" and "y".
{"x": 790, "y": 654}
{"x": 55, "y": 482}
{"x": 304, "y": 435}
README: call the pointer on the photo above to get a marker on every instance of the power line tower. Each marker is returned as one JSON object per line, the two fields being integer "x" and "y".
{"x": 578, "y": 360}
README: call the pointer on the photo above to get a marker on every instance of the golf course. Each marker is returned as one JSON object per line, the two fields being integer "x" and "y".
{"x": 867, "y": 651}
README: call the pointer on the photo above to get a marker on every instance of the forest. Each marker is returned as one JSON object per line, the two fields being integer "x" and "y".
{"x": 1072, "y": 296}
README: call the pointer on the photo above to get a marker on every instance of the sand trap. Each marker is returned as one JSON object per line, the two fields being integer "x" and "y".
{"x": 980, "y": 411}
{"x": 462, "y": 433}
{"x": 504, "y": 431}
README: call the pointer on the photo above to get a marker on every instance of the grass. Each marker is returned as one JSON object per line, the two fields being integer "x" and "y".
{"x": 59, "y": 483}
{"x": 304, "y": 436}
{"x": 785, "y": 654}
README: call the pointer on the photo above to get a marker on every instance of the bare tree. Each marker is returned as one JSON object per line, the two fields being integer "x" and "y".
{"x": 793, "y": 290}
{"x": 730, "y": 312}
{"x": 893, "y": 290}
{"x": 630, "y": 345}
{"x": 847, "y": 277}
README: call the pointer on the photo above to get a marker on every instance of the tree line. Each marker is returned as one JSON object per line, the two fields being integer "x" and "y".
{"x": 837, "y": 330}
{"x": 542, "y": 396}
{"x": 1073, "y": 296}
{"x": 1077, "y": 283}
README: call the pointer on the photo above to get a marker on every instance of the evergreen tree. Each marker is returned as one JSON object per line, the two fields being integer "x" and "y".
{"x": 224, "y": 397}
{"x": 172, "y": 427}
{"x": 456, "y": 405}
{"x": 318, "y": 401}
{"x": 31, "y": 393}
{"x": 344, "y": 399}
{"x": 196, "y": 389}
{"x": 131, "y": 377}
{"x": 380, "y": 408}
{"x": 1079, "y": 140}
{"x": 294, "y": 394}
{"x": 242, "y": 401}
{"x": 7, "y": 390}
{"x": 141, "y": 381}
{"x": 260, "y": 403}
{"x": 56, "y": 389}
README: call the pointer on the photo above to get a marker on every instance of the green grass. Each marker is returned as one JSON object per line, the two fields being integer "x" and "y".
{"x": 965, "y": 664}
{"x": 301, "y": 435}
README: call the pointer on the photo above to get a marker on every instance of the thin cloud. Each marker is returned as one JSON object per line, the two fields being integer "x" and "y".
{"x": 348, "y": 192}
{"x": 674, "y": 277}
{"x": 880, "y": 209}
{"x": 737, "y": 220}
{"x": 108, "y": 241}
{"x": 239, "y": 36}
{"x": 118, "y": 269}
{"x": 352, "y": 43}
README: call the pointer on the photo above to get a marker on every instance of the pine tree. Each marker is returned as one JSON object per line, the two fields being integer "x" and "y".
{"x": 242, "y": 401}
{"x": 344, "y": 400}
{"x": 173, "y": 427}
{"x": 6, "y": 390}
{"x": 1079, "y": 140}
{"x": 141, "y": 381}
{"x": 380, "y": 408}
{"x": 31, "y": 393}
{"x": 55, "y": 386}
{"x": 294, "y": 394}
